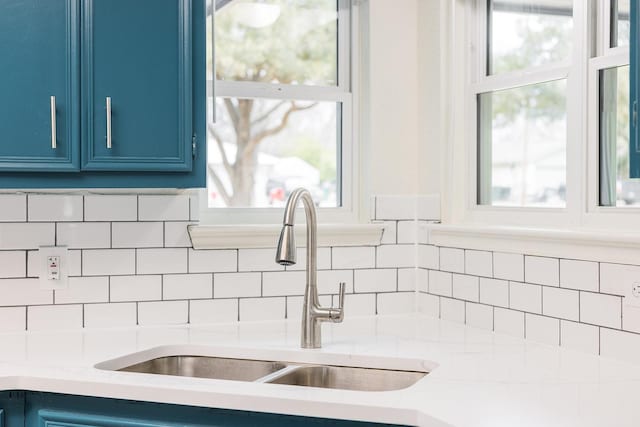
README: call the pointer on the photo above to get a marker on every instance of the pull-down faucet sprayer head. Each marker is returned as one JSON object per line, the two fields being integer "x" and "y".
{"x": 286, "y": 253}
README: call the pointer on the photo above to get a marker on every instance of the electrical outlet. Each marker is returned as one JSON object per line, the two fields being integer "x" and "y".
{"x": 54, "y": 267}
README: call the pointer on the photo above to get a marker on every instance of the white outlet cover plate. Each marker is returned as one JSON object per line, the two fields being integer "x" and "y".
{"x": 60, "y": 251}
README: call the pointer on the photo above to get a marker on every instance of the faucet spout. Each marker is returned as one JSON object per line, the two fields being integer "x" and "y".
{"x": 312, "y": 313}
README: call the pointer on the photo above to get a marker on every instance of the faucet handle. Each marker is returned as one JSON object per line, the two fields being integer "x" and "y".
{"x": 337, "y": 314}
{"x": 343, "y": 285}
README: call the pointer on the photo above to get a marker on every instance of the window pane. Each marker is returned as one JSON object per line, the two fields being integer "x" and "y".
{"x": 272, "y": 147}
{"x": 523, "y": 34}
{"x": 620, "y": 19}
{"x": 616, "y": 189}
{"x": 522, "y": 146}
{"x": 278, "y": 41}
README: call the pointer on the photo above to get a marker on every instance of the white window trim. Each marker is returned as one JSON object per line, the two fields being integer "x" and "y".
{"x": 348, "y": 91}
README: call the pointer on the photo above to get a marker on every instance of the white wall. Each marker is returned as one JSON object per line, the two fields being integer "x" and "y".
{"x": 393, "y": 97}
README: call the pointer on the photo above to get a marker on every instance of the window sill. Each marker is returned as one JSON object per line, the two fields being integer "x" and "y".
{"x": 266, "y": 236}
{"x": 592, "y": 245}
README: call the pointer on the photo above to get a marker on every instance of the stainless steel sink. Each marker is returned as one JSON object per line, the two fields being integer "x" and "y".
{"x": 276, "y": 372}
{"x": 346, "y": 378}
{"x": 207, "y": 367}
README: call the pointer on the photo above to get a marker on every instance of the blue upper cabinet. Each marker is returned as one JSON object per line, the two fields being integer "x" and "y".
{"x": 39, "y": 79}
{"x": 103, "y": 93}
{"x": 137, "y": 90}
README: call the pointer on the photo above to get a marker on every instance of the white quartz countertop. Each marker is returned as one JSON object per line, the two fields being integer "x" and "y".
{"x": 480, "y": 379}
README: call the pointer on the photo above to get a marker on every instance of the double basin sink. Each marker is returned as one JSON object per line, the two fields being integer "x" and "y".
{"x": 277, "y": 372}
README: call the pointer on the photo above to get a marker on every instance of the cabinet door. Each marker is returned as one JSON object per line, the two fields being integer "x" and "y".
{"x": 137, "y": 85}
{"x": 39, "y": 50}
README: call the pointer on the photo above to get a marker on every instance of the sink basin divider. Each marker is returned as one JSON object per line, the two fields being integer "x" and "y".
{"x": 277, "y": 374}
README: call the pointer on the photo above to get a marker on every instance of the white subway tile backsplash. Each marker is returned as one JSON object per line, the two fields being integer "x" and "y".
{"x": 161, "y": 261}
{"x": 581, "y": 275}
{"x": 494, "y": 292}
{"x": 580, "y": 337}
{"x": 508, "y": 266}
{"x": 84, "y": 235}
{"x": 617, "y": 279}
{"x": 13, "y": 319}
{"x": 135, "y": 288}
{"x": 542, "y": 271}
{"x": 163, "y": 207}
{"x": 452, "y": 310}
{"x": 479, "y": 316}
{"x": 375, "y": 280}
{"x": 137, "y": 234}
{"x": 542, "y": 329}
{"x": 429, "y": 304}
{"x": 422, "y": 279}
{"x": 259, "y": 260}
{"x": 213, "y": 311}
{"x": 619, "y": 345}
{"x": 256, "y": 309}
{"x": 602, "y": 310}
{"x": 14, "y": 207}
{"x": 111, "y": 315}
{"x": 389, "y": 256}
{"x": 631, "y": 318}
{"x": 359, "y": 305}
{"x": 466, "y": 287}
{"x": 234, "y": 285}
{"x": 353, "y": 257}
{"x": 212, "y": 261}
{"x": 281, "y": 283}
{"x": 176, "y": 235}
{"x": 407, "y": 232}
{"x": 24, "y": 235}
{"x": 23, "y": 292}
{"x": 562, "y": 303}
{"x": 103, "y": 207}
{"x": 452, "y": 259}
{"x": 84, "y": 290}
{"x": 55, "y": 207}
{"x": 478, "y": 263}
{"x": 329, "y": 281}
{"x": 508, "y": 322}
{"x": 428, "y": 257}
{"x": 323, "y": 259}
{"x": 525, "y": 297}
{"x": 52, "y": 317}
{"x": 440, "y": 283}
{"x": 194, "y": 207}
{"x": 108, "y": 262}
{"x": 187, "y": 286}
{"x": 396, "y": 303}
{"x": 395, "y": 207}
{"x": 163, "y": 313}
{"x": 389, "y": 233}
{"x": 13, "y": 264}
{"x": 407, "y": 279}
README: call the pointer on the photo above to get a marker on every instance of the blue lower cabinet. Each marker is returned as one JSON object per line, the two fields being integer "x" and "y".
{"x": 12, "y": 409}
{"x": 47, "y": 410}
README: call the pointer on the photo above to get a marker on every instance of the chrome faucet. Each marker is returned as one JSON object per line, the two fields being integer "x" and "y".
{"x": 312, "y": 312}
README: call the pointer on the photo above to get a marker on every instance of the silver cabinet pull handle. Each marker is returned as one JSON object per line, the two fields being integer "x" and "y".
{"x": 54, "y": 142}
{"x": 108, "y": 122}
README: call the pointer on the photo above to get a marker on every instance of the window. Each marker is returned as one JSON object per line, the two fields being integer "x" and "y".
{"x": 522, "y": 103}
{"x": 283, "y": 108}
{"x": 546, "y": 102}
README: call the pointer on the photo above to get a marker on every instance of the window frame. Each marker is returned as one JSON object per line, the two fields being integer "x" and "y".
{"x": 591, "y": 52}
{"x": 345, "y": 93}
